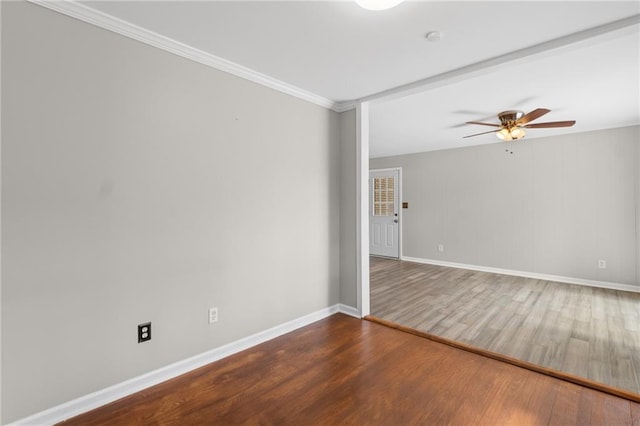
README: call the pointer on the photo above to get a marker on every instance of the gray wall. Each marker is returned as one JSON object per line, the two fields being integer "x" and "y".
{"x": 348, "y": 291}
{"x": 554, "y": 206}
{"x": 140, "y": 186}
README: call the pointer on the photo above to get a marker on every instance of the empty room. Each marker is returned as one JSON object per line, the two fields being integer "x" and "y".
{"x": 320, "y": 212}
{"x": 525, "y": 245}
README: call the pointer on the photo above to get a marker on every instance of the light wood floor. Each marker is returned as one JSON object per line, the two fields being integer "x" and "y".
{"x": 584, "y": 331}
{"x": 346, "y": 371}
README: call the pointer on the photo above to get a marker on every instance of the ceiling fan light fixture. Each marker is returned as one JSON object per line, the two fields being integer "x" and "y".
{"x": 517, "y": 133}
{"x": 378, "y": 4}
{"x": 504, "y": 134}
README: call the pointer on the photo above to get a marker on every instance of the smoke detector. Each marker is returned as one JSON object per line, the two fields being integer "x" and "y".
{"x": 434, "y": 36}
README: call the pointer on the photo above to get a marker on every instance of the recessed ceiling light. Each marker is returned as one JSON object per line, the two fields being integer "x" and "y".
{"x": 434, "y": 36}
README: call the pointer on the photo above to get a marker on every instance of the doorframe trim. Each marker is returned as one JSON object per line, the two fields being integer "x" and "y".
{"x": 362, "y": 208}
{"x": 399, "y": 170}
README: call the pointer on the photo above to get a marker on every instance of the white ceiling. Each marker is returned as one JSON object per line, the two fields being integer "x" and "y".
{"x": 597, "y": 85}
{"x": 341, "y": 52}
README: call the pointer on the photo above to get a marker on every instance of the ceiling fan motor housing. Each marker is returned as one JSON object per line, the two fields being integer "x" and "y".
{"x": 509, "y": 118}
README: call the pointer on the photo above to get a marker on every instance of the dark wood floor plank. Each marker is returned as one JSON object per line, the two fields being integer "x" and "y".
{"x": 565, "y": 407}
{"x": 616, "y": 412}
{"x": 524, "y": 409}
{"x": 343, "y": 370}
{"x": 635, "y": 414}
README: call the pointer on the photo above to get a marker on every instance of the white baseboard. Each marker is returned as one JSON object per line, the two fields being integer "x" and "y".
{"x": 96, "y": 399}
{"x": 547, "y": 277}
{"x": 349, "y": 310}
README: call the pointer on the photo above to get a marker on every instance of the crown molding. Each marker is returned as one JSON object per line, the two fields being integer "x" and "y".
{"x": 344, "y": 106}
{"x": 111, "y": 23}
{"x": 100, "y": 19}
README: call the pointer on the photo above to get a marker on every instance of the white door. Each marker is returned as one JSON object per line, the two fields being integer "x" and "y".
{"x": 384, "y": 212}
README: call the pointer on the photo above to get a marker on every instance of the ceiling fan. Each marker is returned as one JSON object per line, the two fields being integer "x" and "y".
{"x": 513, "y": 123}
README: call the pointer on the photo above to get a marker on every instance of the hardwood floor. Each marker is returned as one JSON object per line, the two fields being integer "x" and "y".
{"x": 343, "y": 370}
{"x": 584, "y": 331}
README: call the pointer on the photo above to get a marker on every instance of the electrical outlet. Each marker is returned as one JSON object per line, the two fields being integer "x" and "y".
{"x": 441, "y": 248}
{"x": 602, "y": 264}
{"x": 213, "y": 315}
{"x": 144, "y": 332}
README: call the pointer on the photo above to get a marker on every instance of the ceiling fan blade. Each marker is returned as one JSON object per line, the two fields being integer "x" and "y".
{"x": 483, "y": 124}
{"x": 551, "y": 124}
{"x": 536, "y": 113}
{"x": 478, "y": 134}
